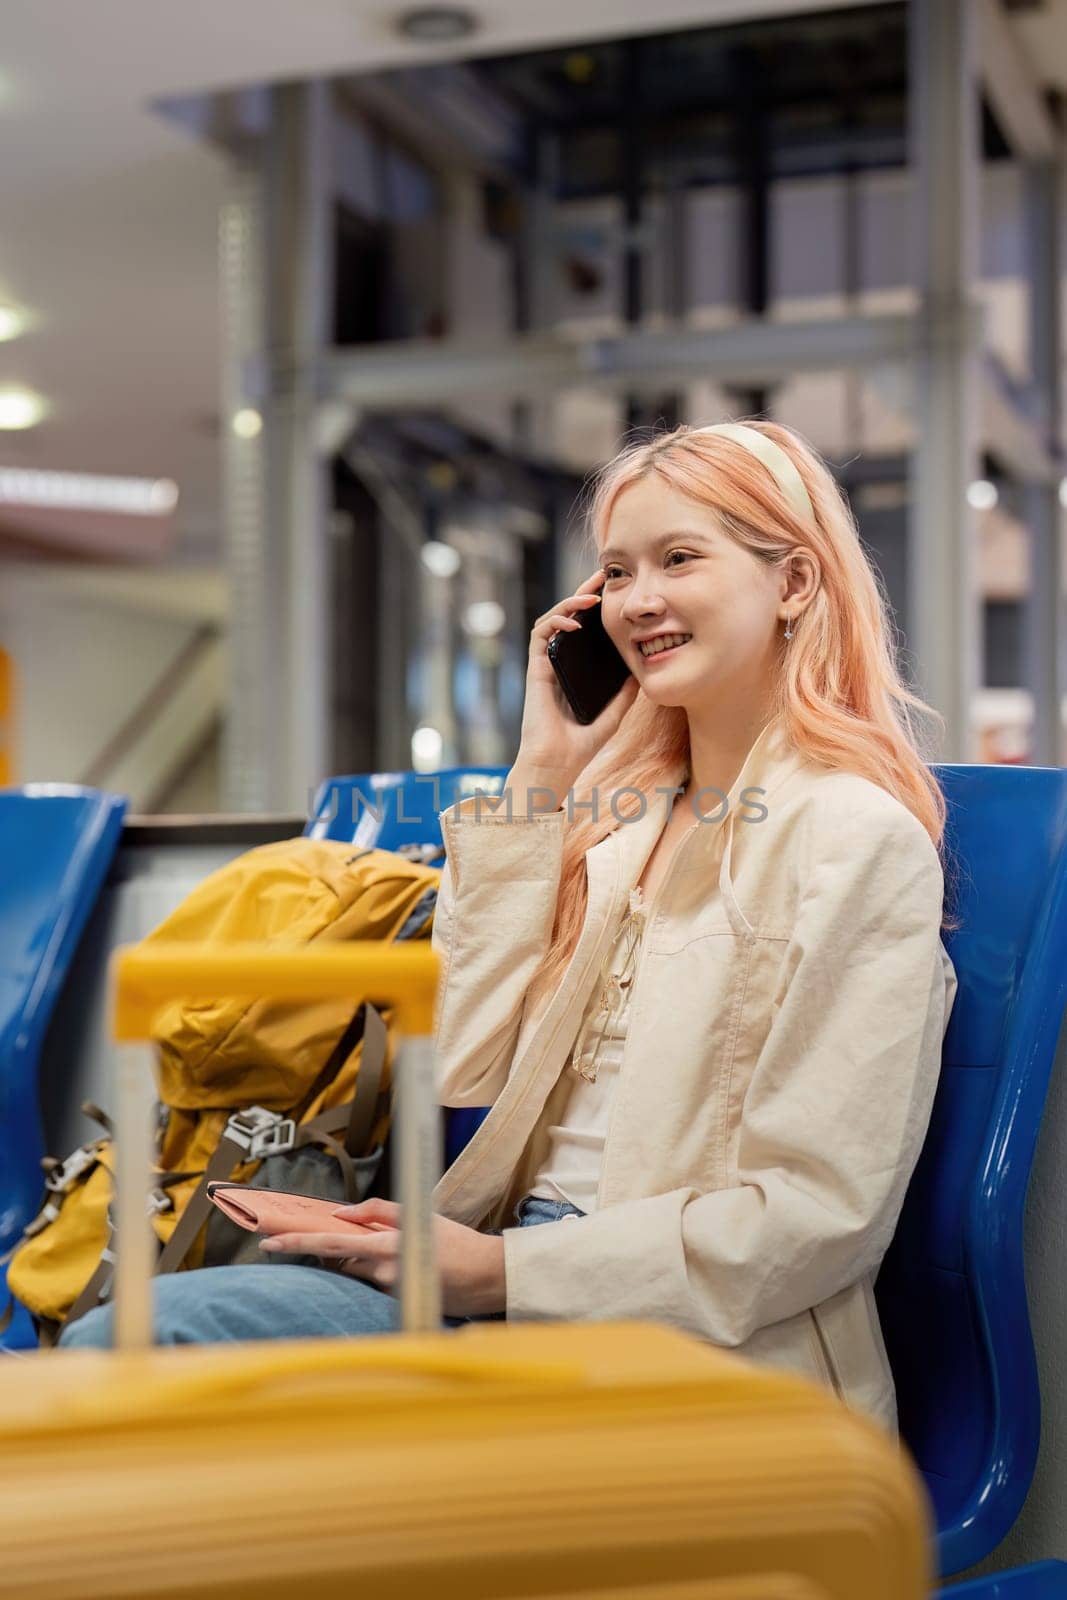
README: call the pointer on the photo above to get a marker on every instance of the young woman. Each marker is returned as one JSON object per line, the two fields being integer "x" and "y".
{"x": 693, "y": 962}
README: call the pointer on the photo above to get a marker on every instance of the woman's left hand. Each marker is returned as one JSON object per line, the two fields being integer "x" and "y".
{"x": 471, "y": 1264}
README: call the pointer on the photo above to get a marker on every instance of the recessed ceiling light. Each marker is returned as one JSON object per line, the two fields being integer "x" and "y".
{"x": 20, "y": 408}
{"x": 12, "y": 323}
{"x": 87, "y": 491}
{"x": 437, "y": 24}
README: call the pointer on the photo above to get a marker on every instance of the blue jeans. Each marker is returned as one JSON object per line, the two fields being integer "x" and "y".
{"x": 277, "y": 1301}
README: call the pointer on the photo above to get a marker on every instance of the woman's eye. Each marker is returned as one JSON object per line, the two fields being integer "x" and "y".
{"x": 616, "y": 572}
{"x": 680, "y": 555}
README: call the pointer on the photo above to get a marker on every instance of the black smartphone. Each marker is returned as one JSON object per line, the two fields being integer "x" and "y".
{"x": 589, "y": 668}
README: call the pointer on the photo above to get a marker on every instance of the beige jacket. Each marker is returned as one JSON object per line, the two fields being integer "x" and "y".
{"x": 785, "y": 1037}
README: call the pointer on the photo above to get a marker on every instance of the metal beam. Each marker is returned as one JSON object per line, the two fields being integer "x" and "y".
{"x": 435, "y": 371}
{"x": 944, "y": 607}
{"x": 1012, "y": 87}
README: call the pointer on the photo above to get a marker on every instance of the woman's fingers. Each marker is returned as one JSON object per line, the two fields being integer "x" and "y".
{"x": 385, "y": 1213}
{"x": 584, "y": 598}
{"x": 376, "y": 1245}
{"x": 556, "y": 622}
{"x": 564, "y": 612}
{"x": 372, "y": 1256}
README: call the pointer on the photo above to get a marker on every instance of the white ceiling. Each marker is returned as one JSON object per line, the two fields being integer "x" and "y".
{"x": 108, "y": 237}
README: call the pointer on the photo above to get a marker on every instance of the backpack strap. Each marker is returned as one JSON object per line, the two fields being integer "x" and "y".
{"x": 310, "y": 1134}
{"x": 231, "y": 1150}
{"x": 60, "y": 1176}
{"x": 356, "y": 1119}
{"x": 365, "y": 1106}
{"x": 96, "y": 1290}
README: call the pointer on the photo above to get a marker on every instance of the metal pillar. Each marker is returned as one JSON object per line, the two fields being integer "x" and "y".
{"x": 1044, "y": 660}
{"x": 944, "y": 604}
{"x": 277, "y": 297}
{"x": 241, "y": 259}
{"x": 752, "y": 163}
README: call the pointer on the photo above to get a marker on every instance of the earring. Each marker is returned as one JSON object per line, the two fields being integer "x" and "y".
{"x": 788, "y": 627}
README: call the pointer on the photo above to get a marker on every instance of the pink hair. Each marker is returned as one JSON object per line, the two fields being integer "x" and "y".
{"x": 844, "y": 703}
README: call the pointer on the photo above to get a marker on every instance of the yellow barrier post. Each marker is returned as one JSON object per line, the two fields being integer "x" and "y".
{"x": 401, "y": 977}
{"x": 7, "y": 720}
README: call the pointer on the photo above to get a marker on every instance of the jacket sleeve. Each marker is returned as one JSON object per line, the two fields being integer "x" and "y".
{"x": 831, "y": 1127}
{"x": 495, "y": 908}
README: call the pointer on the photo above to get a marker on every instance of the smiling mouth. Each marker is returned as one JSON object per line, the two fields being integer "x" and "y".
{"x": 666, "y": 644}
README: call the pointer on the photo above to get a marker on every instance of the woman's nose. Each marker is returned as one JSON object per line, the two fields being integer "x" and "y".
{"x": 642, "y": 603}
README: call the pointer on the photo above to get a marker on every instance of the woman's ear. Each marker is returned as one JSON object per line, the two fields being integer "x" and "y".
{"x": 801, "y": 576}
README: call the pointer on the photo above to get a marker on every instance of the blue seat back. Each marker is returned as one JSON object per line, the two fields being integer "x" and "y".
{"x": 56, "y": 845}
{"x": 951, "y": 1293}
{"x": 388, "y": 810}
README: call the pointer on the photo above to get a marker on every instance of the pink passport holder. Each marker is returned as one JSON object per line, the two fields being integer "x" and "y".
{"x": 279, "y": 1211}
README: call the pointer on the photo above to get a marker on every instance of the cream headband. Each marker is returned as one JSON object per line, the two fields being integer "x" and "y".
{"x": 774, "y": 458}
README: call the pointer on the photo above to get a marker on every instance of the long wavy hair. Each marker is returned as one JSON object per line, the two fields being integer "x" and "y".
{"x": 838, "y": 689}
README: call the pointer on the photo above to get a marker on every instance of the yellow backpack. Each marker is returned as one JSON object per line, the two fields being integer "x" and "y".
{"x": 296, "y": 1093}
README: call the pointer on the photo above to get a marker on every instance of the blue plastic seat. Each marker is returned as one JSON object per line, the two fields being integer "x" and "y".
{"x": 1041, "y": 1580}
{"x": 388, "y": 810}
{"x": 56, "y": 846}
{"x": 951, "y": 1292}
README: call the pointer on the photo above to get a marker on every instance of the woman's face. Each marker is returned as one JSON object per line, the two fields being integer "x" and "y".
{"x": 694, "y": 614}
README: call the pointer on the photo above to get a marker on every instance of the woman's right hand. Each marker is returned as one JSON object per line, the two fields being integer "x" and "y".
{"x": 553, "y": 746}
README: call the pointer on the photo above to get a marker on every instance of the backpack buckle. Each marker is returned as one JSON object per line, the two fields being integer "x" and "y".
{"x": 61, "y": 1177}
{"x": 273, "y": 1141}
{"x": 261, "y": 1132}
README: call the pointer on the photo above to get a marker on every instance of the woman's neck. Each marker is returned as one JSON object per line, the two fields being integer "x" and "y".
{"x": 718, "y": 747}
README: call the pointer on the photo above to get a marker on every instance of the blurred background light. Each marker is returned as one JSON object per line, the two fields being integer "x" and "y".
{"x": 20, "y": 408}
{"x": 12, "y": 323}
{"x": 982, "y": 495}
{"x": 426, "y": 746}
{"x": 440, "y": 559}
{"x": 247, "y": 423}
{"x": 88, "y": 491}
{"x": 484, "y": 618}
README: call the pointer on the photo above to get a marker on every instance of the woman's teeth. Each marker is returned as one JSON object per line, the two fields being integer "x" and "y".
{"x": 667, "y": 641}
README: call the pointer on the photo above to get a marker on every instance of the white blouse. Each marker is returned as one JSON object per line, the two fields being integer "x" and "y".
{"x": 571, "y": 1168}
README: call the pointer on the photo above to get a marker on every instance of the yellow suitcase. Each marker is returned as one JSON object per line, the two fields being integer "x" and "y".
{"x": 623, "y": 1461}
{"x": 611, "y": 1460}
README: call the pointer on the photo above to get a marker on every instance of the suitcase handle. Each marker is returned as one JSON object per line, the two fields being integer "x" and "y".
{"x": 401, "y": 977}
